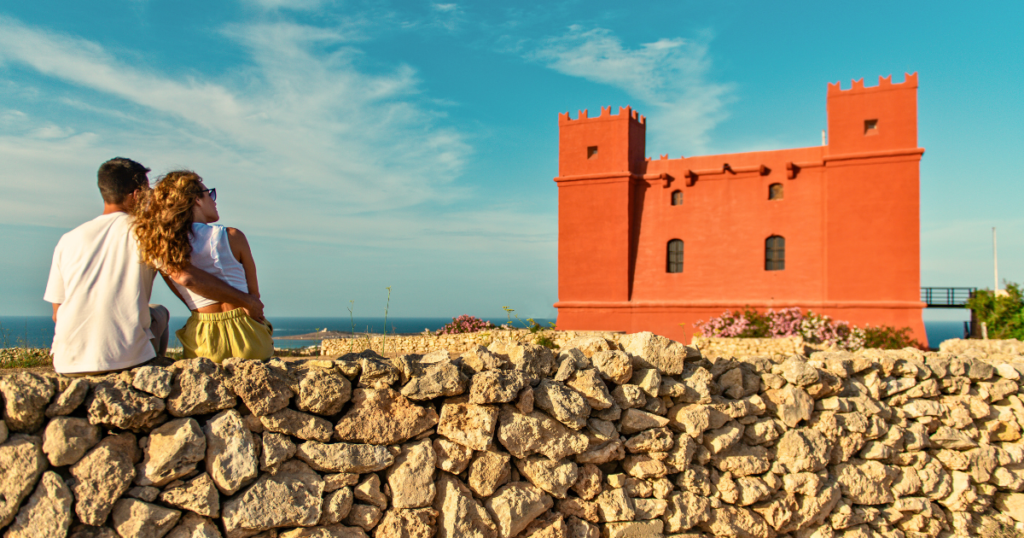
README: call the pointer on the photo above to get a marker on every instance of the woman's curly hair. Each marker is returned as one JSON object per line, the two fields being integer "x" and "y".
{"x": 163, "y": 221}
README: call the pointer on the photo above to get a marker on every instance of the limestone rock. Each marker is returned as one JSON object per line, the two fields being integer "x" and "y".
{"x": 364, "y": 516}
{"x": 588, "y": 383}
{"x": 323, "y": 391}
{"x": 803, "y": 449}
{"x": 369, "y": 491}
{"x": 277, "y": 448}
{"x": 866, "y": 482}
{"x": 523, "y": 435}
{"x": 26, "y": 396}
{"x": 796, "y": 371}
{"x": 635, "y": 421}
{"x": 336, "y": 506}
{"x": 615, "y": 505}
{"x": 734, "y": 521}
{"x": 564, "y": 404}
{"x": 515, "y": 505}
{"x": 383, "y": 417}
{"x": 685, "y": 511}
{"x": 648, "y": 379}
{"x": 377, "y": 374}
{"x": 154, "y": 380}
{"x": 443, "y": 379}
{"x": 643, "y": 466}
{"x": 742, "y": 460}
{"x": 336, "y": 481}
{"x": 603, "y": 453}
{"x": 588, "y": 482}
{"x": 198, "y": 495}
{"x": 143, "y": 493}
{"x": 536, "y": 362}
{"x": 330, "y": 531}
{"x": 230, "y": 454}
{"x": 67, "y": 439}
{"x": 47, "y": 512}
{"x": 264, "y": 389}
{"x": 70, "y": 398}
{"x": 296, "y": 424}
{"x": 496, "y": 386}
{"x": 613, "y": 366}
{"x": 554, "y": 477}
{"x": 648, "y": 350}
{"x": 468, "y": 424}
{"x": 194, "y": 526}
{"x": 290, "y": 497}
{"x": 399, "y": 523}
{"x": 200, "y": 387}
{"x": 345, "y": 457}
{"x": 634, "y": 529}
{"x": 790, "y": 403}
{"x": 460, "y": 515}
{"x": 950, "y": 438}
{"x": 489, "y": 470}
{"x": 588, "y": 345}
{"x": 173, "y": 451}
{"x": 451, "y": 456}
{"x": 116, "y": 404}
{"x": 721, "y": 439}
{"x": 479, "y": 360}
{"x": 412, "y": 476}
{"x": 653, "y": 440}
{"x": 136, "y": 518}
{"x": 102, "y": 476}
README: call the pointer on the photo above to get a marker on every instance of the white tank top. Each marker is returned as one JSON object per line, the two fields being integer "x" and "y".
{"x": 211, "y": 252}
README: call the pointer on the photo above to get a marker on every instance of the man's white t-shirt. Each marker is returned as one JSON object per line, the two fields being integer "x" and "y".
{"x": 103, "y": 321}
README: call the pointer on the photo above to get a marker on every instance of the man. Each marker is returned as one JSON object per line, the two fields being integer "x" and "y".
{"x": 100, "y": 291}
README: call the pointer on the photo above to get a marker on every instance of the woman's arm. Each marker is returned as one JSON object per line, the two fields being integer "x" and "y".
{"x": 170, "y": 284}
{"x": 242, "y": 252}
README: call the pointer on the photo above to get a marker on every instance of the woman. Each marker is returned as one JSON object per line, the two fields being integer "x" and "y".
{"x": 173, "y": 225}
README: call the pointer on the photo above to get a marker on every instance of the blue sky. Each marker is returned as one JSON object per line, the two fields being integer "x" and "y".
{"x": 362, "y": 145}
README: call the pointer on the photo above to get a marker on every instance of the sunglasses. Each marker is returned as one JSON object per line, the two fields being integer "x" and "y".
{"x": 213, "y": 193}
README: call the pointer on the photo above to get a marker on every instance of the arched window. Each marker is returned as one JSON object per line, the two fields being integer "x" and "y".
{"x": 675, "y": 256}
{"x": 677, "y": 197}
{"x": 775, "y": 191}
{"x": 775, "y": 253}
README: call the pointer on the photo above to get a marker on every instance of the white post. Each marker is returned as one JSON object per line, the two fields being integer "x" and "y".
{"x": 995, "y": 261}
{"x": 823, "y": 139}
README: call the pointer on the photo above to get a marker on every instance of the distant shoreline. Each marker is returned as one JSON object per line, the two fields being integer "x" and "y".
{"x": 331, "y": 335}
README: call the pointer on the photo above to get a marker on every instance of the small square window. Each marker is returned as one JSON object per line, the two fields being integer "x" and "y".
{"x": 591, "y": 152}
{"x": 870, "y": 127}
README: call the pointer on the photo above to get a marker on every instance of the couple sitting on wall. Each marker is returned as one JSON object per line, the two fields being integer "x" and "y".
{"x": 103, "y": 271}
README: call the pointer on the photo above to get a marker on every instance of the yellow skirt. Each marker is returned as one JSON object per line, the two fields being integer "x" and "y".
{"x": 224, "y": 335}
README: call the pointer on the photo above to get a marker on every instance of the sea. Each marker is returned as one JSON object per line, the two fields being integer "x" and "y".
{"x": 37, "y": 331}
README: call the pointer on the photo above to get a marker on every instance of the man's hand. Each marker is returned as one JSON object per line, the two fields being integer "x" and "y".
{"x": 56, "y": 306}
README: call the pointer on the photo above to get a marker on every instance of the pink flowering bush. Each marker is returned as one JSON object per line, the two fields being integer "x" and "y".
{"x": 465, "y": 324}
{"x": 813, "y": 328}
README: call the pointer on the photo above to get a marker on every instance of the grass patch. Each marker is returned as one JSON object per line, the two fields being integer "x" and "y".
{"x": 25, "y": 357}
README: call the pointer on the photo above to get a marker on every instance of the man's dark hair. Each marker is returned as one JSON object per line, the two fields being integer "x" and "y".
{"x": 120, "y": 177}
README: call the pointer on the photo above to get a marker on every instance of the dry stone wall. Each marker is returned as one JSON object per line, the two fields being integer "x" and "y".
{"x": 454, "y": 343}
{"x": 635, "y": 436}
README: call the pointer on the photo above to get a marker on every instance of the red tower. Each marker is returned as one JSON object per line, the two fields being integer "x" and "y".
{"x": 658, "y": 244}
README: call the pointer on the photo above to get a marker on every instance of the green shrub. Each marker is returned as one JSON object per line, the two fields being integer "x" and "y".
{"x": 887, "y": 337}
{"x": 1003, "y": 316}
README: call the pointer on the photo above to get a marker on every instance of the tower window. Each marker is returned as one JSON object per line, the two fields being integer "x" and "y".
{"x": 870, "y": 127}
{"x": 775, "y": 191}
{"x": 675, "y": 256}
{"x": 591, "y": 152}
{"x": 677, "y": 198}
{"x": 775, "y": 253}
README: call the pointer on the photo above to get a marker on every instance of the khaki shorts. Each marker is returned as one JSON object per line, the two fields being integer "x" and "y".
{"x": 224, "y": 335}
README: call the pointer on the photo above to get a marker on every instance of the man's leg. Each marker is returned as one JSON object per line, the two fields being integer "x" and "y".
{"x": 159, "y": 317}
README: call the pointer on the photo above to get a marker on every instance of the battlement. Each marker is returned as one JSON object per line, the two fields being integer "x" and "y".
{"x": 606, "y": 113}
{"x": 884, "y": 83}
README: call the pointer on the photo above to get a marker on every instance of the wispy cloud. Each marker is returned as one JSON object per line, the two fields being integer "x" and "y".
{"x": 296, "y": 5}
{"x": 299, "y": 123}
{"x": 668, "y": 76}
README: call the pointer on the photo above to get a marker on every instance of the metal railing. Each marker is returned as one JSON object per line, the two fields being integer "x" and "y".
{"x": 946, "y": 297}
